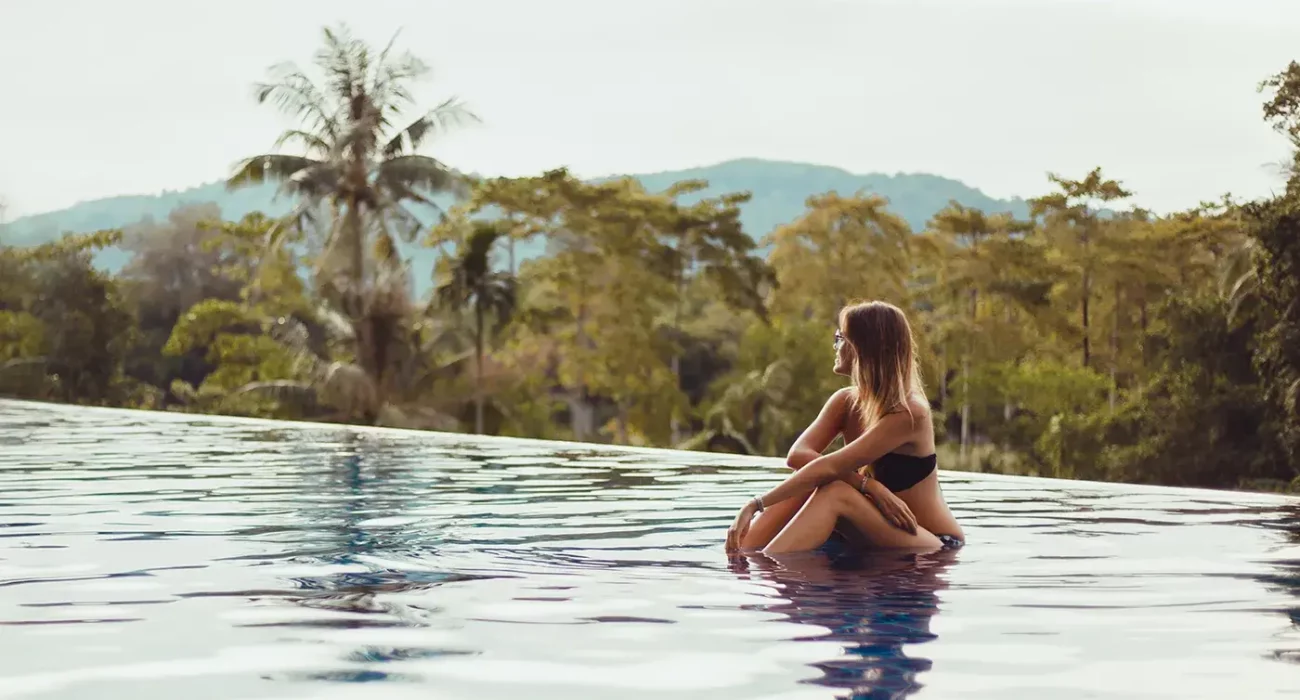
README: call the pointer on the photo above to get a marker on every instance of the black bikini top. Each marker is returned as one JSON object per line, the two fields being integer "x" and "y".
{"x": 900, "y": 472}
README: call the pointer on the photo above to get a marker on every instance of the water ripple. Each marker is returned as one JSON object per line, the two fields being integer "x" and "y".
{"x": 155, "y": 555}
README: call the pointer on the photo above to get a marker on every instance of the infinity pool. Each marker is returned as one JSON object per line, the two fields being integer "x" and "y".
{"x": 153, "y": 556}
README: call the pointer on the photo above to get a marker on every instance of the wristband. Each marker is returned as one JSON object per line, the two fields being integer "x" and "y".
{"x": 758, "y": 502}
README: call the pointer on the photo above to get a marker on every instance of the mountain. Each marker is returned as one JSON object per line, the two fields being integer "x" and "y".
{"x": 781, "y": 188}
{"x": 779, "y": 192}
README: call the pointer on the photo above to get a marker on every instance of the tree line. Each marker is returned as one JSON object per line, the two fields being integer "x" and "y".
{"x": 1092, "y": 339}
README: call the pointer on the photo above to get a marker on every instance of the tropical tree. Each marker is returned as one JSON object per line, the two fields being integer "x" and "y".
{"x": 473, "y": 285}
{"x": 841, "y": 249}
{"x": 230, "y": 332}
{"x": 1073, "y": 223}
{"x": 355, "y": 161}
{"x": 709, "y": 241}
{"x": 971, "y": 251}
{"x": 65, "y": 329}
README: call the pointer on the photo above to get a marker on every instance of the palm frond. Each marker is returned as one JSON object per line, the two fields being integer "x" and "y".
{"x": 388, "y": 87}
{"x": 415, "y": 172}
{"x": 347, "y": 387}
{"x": 300, "y": 394}
{"x": 270, "y": 167}
{"x": 406, "y": 224}
{"x": 450, "y": 113}
{"x": 339, "y": 59}
{"x": 22, "y": 364}
{"x": 294, "y": 94}
{"x": 310, "y": 142}
{"x": 24, "y": 376}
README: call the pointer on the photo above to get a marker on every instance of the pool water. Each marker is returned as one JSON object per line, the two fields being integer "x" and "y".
{"x": 150, "y": 556}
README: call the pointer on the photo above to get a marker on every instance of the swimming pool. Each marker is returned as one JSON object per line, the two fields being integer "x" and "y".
{"x": 147, "y": 555}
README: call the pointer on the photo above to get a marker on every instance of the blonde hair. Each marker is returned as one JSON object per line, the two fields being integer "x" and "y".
{"x": 886, "y": 374}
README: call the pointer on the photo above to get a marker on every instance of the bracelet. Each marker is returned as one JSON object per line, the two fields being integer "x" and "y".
{"x": 758, "y": 501}
{"x": 863, "y": 488}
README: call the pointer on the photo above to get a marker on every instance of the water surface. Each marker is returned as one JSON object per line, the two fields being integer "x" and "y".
{"x": 152, "y": 556}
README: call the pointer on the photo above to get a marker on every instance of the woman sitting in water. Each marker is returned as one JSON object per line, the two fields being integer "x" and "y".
{"x": 884, "y": 481}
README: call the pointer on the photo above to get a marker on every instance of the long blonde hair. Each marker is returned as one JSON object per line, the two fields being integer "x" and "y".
{"x": 885, "y": 372}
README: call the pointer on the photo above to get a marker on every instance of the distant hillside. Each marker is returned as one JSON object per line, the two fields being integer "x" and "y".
{"x": 779, "y": 191}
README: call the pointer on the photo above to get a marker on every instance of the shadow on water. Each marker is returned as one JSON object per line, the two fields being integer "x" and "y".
{"x": 872, "y": 603}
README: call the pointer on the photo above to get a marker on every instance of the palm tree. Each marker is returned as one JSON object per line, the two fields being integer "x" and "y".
{"x": 473, "y": 284}
{"x": 353, "y": 163}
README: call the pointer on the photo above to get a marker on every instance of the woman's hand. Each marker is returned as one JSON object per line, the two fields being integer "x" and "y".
{"x": 740, "y": 526}
{"x": 891, "y": 506}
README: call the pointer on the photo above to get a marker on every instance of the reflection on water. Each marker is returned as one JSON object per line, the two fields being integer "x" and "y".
{"x": 871, "y": 604}
{"x": 161, "y": 556}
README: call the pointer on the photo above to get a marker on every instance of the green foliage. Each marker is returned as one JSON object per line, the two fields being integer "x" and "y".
{"x": 1275, "y": 227}
{"x": 779, "y": 377}
{"x": 1199, "y": 421}
{"x": 204, "y": 322}
{"x": 22, "y": 336}
{"x": 843, "y": 249}
{"x": 472, "y": 285}
{"x": 65, "y": 329}
{"x": 1065, "y": 336}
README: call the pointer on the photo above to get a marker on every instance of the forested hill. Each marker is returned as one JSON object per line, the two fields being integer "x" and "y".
{"x": 779, "y": 190}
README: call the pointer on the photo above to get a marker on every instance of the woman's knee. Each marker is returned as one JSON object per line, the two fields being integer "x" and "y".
{"x": 837, "y": 492}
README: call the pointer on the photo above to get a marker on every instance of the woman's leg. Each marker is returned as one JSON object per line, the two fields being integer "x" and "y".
{"x": 815, "y": 521}
{"x": 769, "y": 522}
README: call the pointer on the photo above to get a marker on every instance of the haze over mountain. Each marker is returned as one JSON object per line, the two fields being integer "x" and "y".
{"x": 779, "y": 192}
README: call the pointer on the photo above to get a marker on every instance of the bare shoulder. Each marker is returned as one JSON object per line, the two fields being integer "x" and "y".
{"x": 916, "y": 410}
{"x": 919, "y": 407}
{"x": 838, "y": 404}
{"x": 842, "y": 397}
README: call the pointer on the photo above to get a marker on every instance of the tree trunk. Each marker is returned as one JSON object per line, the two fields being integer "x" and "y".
{"x": 1087, "y": 292}
{"x": 478, "y": 364}
{"x": 943, "y": 381}
{"x": 356, "y": 247}
{"x": 579, "y": 413}
{"x": 1142, "y": 312}
{"x": 1008, "y": 406}
{"x": 622, "y": 423}
{"x": 1087, "y": 348}
{"x": 965, "y": 411}
{"x": 965, "y": 378}
{"x": 1114, "y": 351}
{"x": 674, "y": 426}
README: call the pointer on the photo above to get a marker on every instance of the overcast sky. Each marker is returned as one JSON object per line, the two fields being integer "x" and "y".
{"x": 101, "y": 98}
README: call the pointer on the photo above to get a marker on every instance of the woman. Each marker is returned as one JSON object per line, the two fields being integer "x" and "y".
{"x": 885, "y": 420}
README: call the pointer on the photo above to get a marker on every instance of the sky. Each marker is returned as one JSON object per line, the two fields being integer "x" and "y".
{"x": 139, "y": 96}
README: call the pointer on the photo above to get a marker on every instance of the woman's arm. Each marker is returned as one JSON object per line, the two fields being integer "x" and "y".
{"x": 886, "y": 435}
{"x": 817, "y": 436}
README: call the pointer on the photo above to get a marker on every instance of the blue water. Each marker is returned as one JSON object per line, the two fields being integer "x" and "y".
{"x": 152, "y": 556}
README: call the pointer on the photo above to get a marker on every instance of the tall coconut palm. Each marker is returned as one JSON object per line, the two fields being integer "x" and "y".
{"x": 473, "y": 284}
{"x": 356, "y": 158}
